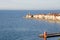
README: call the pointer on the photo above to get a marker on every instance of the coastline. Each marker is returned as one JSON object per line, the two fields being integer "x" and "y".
{"x": 49, "y": 17}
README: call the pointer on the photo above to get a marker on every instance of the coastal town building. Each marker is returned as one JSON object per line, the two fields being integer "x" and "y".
{"x": 29, "y": 16}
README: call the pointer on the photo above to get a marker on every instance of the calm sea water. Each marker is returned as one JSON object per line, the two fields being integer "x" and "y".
{"x": 14, "y": 27}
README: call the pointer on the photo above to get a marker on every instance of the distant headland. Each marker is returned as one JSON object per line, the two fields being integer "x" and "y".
{"x": 49, "y": 16}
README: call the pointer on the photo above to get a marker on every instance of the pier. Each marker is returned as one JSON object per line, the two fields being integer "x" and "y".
{"x": 45, "y": 35}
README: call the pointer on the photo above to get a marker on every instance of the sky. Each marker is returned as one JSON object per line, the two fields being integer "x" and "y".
{"x": 29, "y": 4}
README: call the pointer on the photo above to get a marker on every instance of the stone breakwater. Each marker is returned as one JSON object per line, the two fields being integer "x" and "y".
{"x": 49, "y": 16}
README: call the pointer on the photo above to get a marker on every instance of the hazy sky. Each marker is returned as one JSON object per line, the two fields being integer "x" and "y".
{"x": 30, "y": 4}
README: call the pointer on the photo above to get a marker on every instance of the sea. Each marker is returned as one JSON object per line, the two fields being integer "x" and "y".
{"x": 13, "y": 25}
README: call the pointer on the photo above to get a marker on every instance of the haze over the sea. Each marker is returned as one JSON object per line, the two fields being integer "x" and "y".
{"x": 29, "y": 4}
